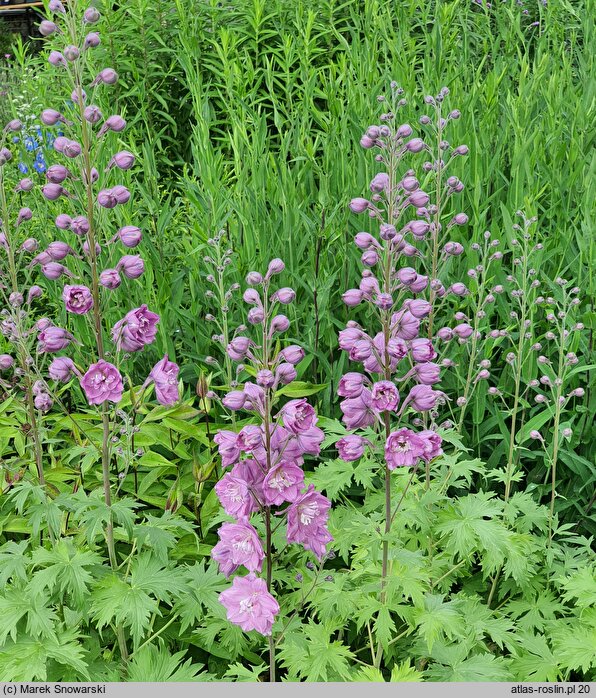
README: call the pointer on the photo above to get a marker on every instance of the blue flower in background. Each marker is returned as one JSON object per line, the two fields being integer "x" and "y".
{"x": 23, "y": 168}
{"x": 30, "y": 144}
{"x": 16, "y": 139}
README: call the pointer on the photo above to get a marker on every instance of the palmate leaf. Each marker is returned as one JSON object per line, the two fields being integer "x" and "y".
{"x": 581, "y": 586}
{"x": 63, "y": 567}
{"x": 534, "y": 660}
{"x": 13, "y": 561}
{"x": 479, "y": 667}
{"x": 402, "y": 673}
{"x": 239, "y": 673}
{"x": 29, "y": 659}
{"x": 155, "y": 664}
{"x": 204, "y": 586}
{"x": 315, "y": 657}
{"x": 332, "y": 477}
{"x": 17, "y": 603}
{"x": 574, "y": 646}
{"x": 438, "y": 619}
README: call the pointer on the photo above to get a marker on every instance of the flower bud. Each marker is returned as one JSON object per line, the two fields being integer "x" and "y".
{"x": 56, "y": 58}
{"x": 254, "y": 278}
{"x": 279, "y": 323}
{"x": 536, "y": 435}
{"x": 30, "y": 245}
{"x": 56, "y": 6}
{"x": 130, "y": 236}
{"x": 285, "y": 296}
{"x": 234, "y": 400}
{"x": 106, "y": 199}
{"x": 415, "y": 145}
{"x": 123, "y": 160}
{"x": 79, "y": 225}
{"x": 265, "y": 378}
{"x": 405, "y": 131}
{"x": 6, "y": 362}
{"x": 56, "y": 174}
{"x": 113, "y": 123}
{"x": 34, "y": 292}
{"x": 92, "y": 40}
{"x": 121, "y": 193}
{"x": 352, "y": 297}
{"x": 25, "y": 214}
{"x": 132, "y": 266}
{"x": 110, "y": 278}
{"x": 47, "y": 28}
{"x": 91, "y": 15}
{"x": 293, "y": 354}
{"x": 61, "y": 369}
{"x": 59, "y": 250}
{"x": 463, "y": 331}
{"x": 16, "y": 299}
{"x": 107, "y": 76}
{"x": 256, "y": 316}
{"x": 418, "y": 198}
{"x": 420, "y": 283}
{"x": 359, "y": 205}
{"x": 5, "y": 156}
{"x": 460, "y": 219}
{"x": 52, "y": 192}
{"x": 459, "y": 289}
{"x": 53, "y": 270}
{"x": 364, "y": 240}
{"x": 276, "y": 266}
{"x": 419, "y": 228}
{"x": 72, "y": 149}
{"x": 71, "y": 53}
{"x": 92, "y": 114}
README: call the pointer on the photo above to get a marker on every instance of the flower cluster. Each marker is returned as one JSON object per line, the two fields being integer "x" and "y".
{"x": 266, "y": 460}
{"x": 86, "y": 185}
{"x": 401, "y": 298}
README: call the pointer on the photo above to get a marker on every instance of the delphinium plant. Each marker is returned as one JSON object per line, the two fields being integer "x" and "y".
{"x": 17, "y": 323}
{"x": 86, "y": 178}
{"x": 534, "y": 388}
{"x": 265, "y": 489}
{"x": 397, "y": 351}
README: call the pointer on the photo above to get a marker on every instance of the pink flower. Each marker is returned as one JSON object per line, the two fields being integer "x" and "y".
{"x": 422, "y": 350}
{"x": 350, "y": 385}
{"x": 136, "y": 329}
{"x": 61, "y": 369}
{"x": 283, "y": 483}
{"x": 384, "y": 396}
{"x": 427, "y": 373}
{"x": 239, "y": 544}
{"x": 432, "y": 444}
{"x": 307, "y": 519}
{"x": 249, "y": 604}
{"x": 358, "y": 412}
{"x": 252, "y": 472}
{"x": 165, "y": 376}
{"x": 77, "y": 299}
{"x": 102, "y": 382}
{"x": 405, "y": 325}
{"x": 227, "y": 446}
{"x": 235, "y": 497}
{"x": 423, "y": 398}
{"x": 53, "y": 339}
{"x": 403, "y": 448}
{"x": 298, "y": 416}
{"x": 351, "y": 447}
{"x": 249, "y": 438}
